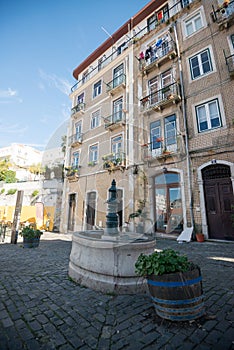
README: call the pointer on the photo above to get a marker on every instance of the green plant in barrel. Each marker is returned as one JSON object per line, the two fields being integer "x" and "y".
{"x": 159, "y": 263}
{"x": 175, "y": 284}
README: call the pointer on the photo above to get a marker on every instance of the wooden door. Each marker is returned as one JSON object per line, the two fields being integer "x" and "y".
{"x": 71, "y": 211}
{"x": 91, "y": 210}
{"x": 219, "y": 201}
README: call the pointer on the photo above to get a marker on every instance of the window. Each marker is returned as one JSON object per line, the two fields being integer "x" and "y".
{"x": 232, "y": 40}
{"x": 78, "y": 130}
{"x": 95, "y": 119}
{"x": 193, "y": 24}
{"x": 168, "y": 140}
{"x": 93, "y": 153}
{"x": 155, "y": 135}
{"x": 117, "y": 110}
{"x": 118, "y": 75}
{"x": 85, "y": 76}
{"x": 208, "y": 116}
{"x": 75, "y": 159}
{"x": 121, "y": 48}
{"x": 159, "y": 17}
{"x": 153, "y": 88}
{"x": 200, "y": 64}
{"x": 80, "y": 99}
{"x": 185, "y": 3}
{"x": 116, "y": 144}
{"x": 97, "y": 88}
{"x": 170, "y": 131}
{"x": 151, "y": 23}
{"x": 100, "y": 64}
{"x": 157, "y": 90}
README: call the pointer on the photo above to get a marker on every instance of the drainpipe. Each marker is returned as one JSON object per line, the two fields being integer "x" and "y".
{"x": 190, "y": 194}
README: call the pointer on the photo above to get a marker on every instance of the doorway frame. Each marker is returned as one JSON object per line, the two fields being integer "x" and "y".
{"x": 86, "y": 204}
{"x": 202, "y": 194}
{"x": 152, "y": 197}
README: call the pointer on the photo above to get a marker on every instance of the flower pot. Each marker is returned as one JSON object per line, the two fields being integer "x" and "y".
{"x": 31, "y": 242}
{"x": 177, "y": 296}
{"x": 200, "y": 237}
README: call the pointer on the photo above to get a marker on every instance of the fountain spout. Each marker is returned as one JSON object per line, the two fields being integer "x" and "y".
{"x": 112, "y": 216}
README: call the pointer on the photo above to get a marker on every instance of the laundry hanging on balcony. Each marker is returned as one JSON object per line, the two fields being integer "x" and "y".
{"x": 159, "y": 43}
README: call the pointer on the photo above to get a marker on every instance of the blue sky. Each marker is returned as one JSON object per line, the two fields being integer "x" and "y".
{"x": 41, "y": 42}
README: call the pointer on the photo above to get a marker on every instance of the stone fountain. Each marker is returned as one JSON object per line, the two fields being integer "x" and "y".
{"x": 104, "y": 260}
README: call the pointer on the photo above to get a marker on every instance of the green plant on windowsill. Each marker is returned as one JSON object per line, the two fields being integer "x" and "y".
{"x": 92, "y": 163}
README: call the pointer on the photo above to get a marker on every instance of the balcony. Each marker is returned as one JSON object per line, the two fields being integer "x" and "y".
{"x": 165, "y": 52}
{"x": 75, "y": 140}
{"x": 162, "y": 149}
{"x": 114, "y": 161}
{"x": 78, "y": 109}
{"x": 224, "y": 14}
{"x": 116, "y": 85}
{"x": 230, "y": 64}
{"x": 161, "y": 98}
{"x": 173, "y": 12}
{"x": 115, "y": 120}
{"x": 72, "y": 173}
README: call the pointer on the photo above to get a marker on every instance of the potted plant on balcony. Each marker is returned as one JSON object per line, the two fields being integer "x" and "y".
{"x": 175, "y": 284}
{"x": 31, "y": 236}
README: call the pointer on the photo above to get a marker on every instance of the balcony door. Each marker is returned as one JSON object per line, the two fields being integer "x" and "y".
{"x": 117, "y": 145}
{"x": 168, "y": 203}
{"x": 117, "y": 110}
{"x": 118, "y": 75}
{"x": 153, "y": 91}
{"x": 78, "y": 131}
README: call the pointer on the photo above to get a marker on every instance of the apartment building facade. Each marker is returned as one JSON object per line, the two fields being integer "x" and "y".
{"x": 152, "y": 108}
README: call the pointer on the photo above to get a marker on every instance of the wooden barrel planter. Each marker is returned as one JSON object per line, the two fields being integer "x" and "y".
{"x": 31, "y": 242}
{"x": 177, "y": 296}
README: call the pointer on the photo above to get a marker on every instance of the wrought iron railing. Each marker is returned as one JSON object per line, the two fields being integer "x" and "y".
{"x": 79, "y": 107}
{"x": 121, "y": 79}
{"x": 72, "y": 171}
{"x": 76, "y": 138}
{"x": 177, "y": 7}
{"x": 223, "y": 11}
{"x": 168, "y": 93}
{"x": 115, "y": 118}
{"x": 164, "y": 50}
{"x": 114, "y": 160}
{"x": 161, "y": 147}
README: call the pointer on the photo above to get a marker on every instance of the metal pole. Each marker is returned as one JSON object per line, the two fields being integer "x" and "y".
{"x": 190, "y": 195}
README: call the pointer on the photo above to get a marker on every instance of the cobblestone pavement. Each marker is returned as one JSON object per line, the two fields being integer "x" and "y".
{"x": 41, "y": 308}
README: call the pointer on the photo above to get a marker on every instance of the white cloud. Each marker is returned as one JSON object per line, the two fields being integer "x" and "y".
{"x": 9, "y": 95}
{"x": 53, "y": 80}
{"x": 13, "y": 129}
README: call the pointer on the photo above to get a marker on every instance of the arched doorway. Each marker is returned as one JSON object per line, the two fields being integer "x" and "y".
{"x": 168, "y": 203}
{"x": 219, "y": 201}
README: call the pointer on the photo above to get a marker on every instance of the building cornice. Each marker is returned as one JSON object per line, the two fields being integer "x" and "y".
{"x": 124, "y": 29}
